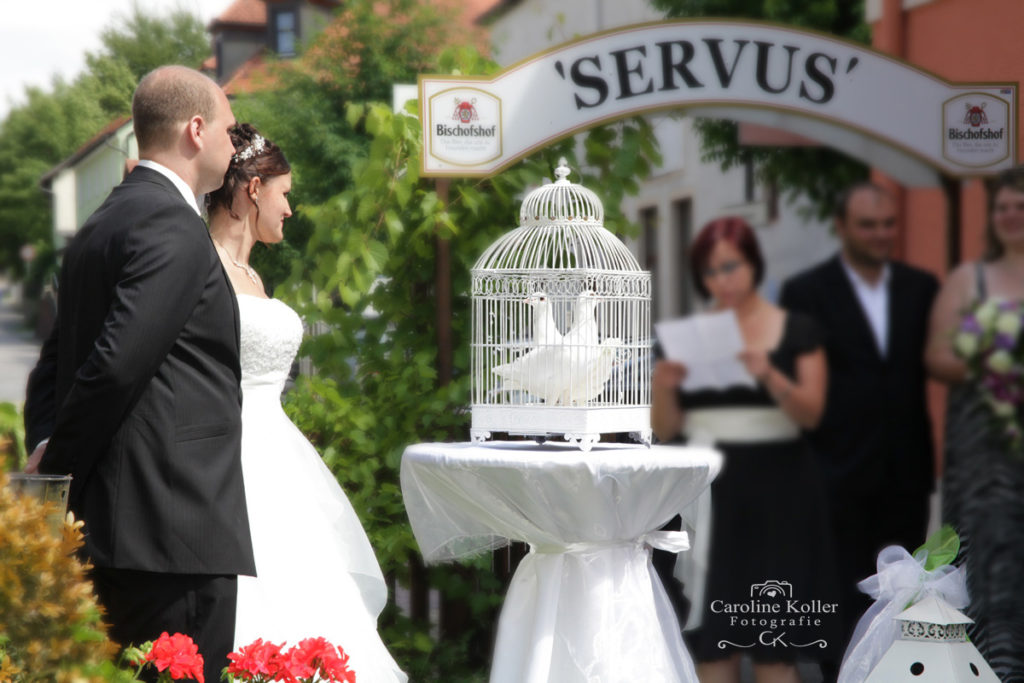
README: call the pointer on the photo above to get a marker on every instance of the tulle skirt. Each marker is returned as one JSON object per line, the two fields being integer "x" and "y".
{"x": 316, "y": 572}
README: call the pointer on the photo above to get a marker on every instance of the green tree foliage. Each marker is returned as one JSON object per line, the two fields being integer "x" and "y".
{"x": 300, "y": 104}
{"x": 142, "y": 42}
{"x": 33, "y": 138}
{"x": 817, "y": 172}
{"x": 51, "y": 125}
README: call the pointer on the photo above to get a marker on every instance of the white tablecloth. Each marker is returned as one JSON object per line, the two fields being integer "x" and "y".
{"x": 585, "y": 604}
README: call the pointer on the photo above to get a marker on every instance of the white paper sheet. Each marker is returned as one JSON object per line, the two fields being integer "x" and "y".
{"x": 708, "y": 344}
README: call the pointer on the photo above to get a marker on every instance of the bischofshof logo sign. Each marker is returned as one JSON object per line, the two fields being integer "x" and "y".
{"x": 976, "y": 129}
{"x": 465, "y": 126}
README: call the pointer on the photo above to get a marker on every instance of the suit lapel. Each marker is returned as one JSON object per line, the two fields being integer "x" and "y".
{"x": 898, "y": 308}
{"x": 850, "y": 309}
{"x": 230, "y": 288}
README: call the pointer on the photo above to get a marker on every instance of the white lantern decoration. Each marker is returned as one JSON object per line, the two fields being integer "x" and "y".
{"x": 932, "y": 646}
{"x": 561, "y": 325}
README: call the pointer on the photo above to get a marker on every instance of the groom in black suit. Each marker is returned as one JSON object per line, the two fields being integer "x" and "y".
{"x": 136, "y": 392}
{"x": 874, "y": 442}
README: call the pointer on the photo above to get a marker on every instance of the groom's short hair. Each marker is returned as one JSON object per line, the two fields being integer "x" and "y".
{"x": 166, "y": 98}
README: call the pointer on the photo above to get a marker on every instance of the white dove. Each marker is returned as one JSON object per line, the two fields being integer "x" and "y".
{"x": 545, "y": 330}
{"x": 590, "y": 363}
{"x": 543, "y": 372}
{"x": 540, "y": 371}
{"x": 594, "y": 373}
{"x": 584, "y": 325}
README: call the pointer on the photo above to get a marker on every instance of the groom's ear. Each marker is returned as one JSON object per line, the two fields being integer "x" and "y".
{"x": 196, "y": 128}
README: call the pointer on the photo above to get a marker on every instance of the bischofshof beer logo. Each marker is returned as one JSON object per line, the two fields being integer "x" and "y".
{"x": 465, "y": 126}
{"x": 465, "y": 112}
{"x": 975, "y": 114}
{"x": 976, "y": 129}
{"x": 773, "y": 617}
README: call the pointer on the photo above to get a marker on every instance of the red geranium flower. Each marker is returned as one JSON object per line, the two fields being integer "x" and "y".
{"x": 178, "y": 654}
{"x": 336, "y": 668}
{"x": 318, "y": 657}
{"x": 256, "y": 659}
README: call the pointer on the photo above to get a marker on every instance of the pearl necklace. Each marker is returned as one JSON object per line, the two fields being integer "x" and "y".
{"x": 244, "y": 266}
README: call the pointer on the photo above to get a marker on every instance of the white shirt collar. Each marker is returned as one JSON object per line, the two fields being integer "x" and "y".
{"x": 859, "y": 281}
{"x": 874, "y": 302}
{"x": 183, "y": 188}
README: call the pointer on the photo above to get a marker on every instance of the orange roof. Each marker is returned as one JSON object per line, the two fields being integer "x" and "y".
{"x": 322, "y": 3}
{"x": 475, "y": 9}
{"x": 250, "y": 13}
{"x": 254, "y": 75}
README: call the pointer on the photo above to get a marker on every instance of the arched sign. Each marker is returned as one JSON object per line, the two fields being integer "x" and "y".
{"x": 815, "y": 84}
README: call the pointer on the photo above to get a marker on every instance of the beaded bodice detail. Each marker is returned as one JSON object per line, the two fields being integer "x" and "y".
{"x": 270, "y": 336}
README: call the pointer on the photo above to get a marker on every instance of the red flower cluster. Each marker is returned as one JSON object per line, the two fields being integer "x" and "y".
{"x": 313, "y": 659}
{"x": 179, "y": 655}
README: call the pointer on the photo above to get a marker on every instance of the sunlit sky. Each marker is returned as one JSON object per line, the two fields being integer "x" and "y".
{"x": 43, "y": 38}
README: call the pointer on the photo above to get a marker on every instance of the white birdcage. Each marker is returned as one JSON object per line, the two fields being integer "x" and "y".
{"x": 561, "y": 325}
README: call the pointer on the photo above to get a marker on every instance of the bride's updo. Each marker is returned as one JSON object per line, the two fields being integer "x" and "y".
{"x": 255, "y": 157}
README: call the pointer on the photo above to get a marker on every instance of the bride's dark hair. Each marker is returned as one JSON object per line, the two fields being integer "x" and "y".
{"x": 255, "y": 157}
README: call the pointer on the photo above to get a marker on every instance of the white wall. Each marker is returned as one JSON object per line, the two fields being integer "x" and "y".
{"x": 101, "y": 170}
{"x": 790, "y": 243}
{"x": 78, "y": 190}
{"x": 65, "y": 221}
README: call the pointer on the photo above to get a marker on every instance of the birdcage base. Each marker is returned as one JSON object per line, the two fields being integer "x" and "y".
{"x": 581, "y": 426}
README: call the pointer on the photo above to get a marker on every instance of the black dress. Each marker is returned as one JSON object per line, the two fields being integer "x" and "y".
{"x": 771, "y": 585}
{"x": 983, "y": 499}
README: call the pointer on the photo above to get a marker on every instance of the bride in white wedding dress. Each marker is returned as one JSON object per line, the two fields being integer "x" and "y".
{"x": 316, "y": 572}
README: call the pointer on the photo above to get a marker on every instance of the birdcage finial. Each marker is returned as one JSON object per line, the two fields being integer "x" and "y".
{"x": 561, "y": 202}
{"x": 562, "y": 172}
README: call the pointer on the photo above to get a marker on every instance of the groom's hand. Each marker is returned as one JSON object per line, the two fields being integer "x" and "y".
{"x": 32, "y": 466}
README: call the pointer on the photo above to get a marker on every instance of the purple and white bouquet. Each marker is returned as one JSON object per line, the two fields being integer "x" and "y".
{"x": 989, "y": 340}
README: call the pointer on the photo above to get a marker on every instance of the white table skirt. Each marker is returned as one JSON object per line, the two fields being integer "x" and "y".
{"x": 585, "y": 604}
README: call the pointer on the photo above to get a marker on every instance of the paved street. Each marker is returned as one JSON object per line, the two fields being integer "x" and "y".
{"x": 18, "y": 348}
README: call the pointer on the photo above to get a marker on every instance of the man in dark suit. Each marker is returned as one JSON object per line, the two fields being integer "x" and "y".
{"x": 874, "y": 442}
{"x": 136, "y": 392}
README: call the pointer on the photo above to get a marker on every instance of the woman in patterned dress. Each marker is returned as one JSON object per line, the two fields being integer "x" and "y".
{"x": 983, "y": 483}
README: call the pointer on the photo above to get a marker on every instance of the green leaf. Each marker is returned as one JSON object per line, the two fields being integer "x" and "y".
{"x": 941, "y": 547}
{"x": 376, "y": 255}
{"x": 393, "y": 224}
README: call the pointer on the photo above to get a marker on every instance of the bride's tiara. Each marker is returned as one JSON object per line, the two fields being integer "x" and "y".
{"x": 257, "y": 145}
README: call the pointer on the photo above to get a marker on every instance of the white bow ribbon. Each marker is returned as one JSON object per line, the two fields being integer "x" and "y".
{"x": 900, "y": 582}
{"x": 671, "y": 541}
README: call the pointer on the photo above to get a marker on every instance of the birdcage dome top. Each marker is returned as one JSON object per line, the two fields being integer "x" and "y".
{"x": 561, "y": 202}
{"x": 561, "y": 227}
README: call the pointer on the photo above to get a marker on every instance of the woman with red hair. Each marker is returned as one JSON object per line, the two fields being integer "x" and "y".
{"x": 770, "y": 547}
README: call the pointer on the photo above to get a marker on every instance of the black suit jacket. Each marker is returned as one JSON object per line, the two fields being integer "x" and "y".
{"x": 875, "y": 436}
{"x": 138, "y": 388}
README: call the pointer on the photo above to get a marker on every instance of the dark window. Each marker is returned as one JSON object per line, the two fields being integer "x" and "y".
{"x": 772, "y": 190}
{"x": 219, "y": 55}
{"x": 749, "y": 180}
{"x": 649, "y": 225}
{"x": 287, "y": 30}
{"x": 682, "y": 217}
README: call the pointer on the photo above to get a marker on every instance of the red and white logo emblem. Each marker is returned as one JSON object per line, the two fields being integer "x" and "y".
{"x": 465, "y": 112}
{"x": 975, "y": 114}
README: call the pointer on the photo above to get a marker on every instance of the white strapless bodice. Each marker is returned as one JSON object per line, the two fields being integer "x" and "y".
{"x": 270, "y": 336}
